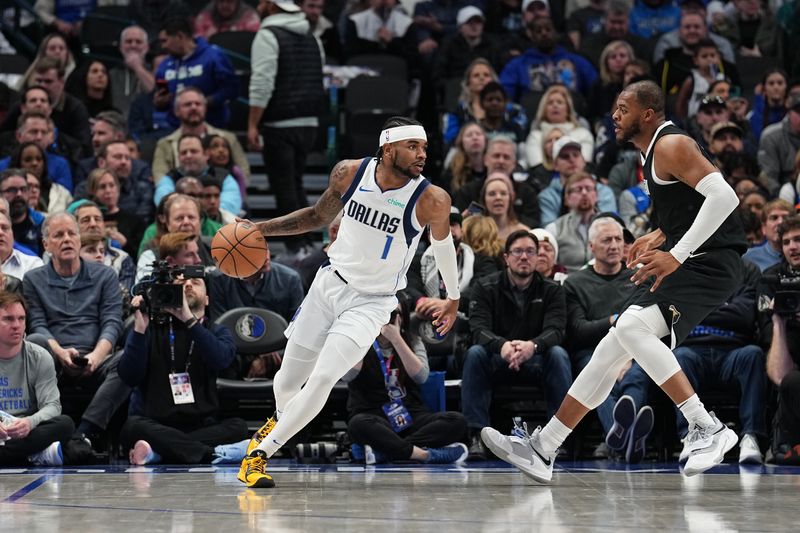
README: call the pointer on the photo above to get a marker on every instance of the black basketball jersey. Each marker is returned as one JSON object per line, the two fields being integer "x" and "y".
{"x": 675, "y": 205}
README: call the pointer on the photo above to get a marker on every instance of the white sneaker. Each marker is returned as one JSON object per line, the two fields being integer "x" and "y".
{"x": 749, "y": 452}
{"x": 707, "y": 446}
{"x": 50, "y": 456}
{"x": 521, "y": 450}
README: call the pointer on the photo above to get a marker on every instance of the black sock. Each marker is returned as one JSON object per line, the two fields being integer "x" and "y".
{"x": 87, "y": 428}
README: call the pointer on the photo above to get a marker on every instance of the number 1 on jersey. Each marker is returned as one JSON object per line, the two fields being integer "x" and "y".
{"x": 386, "y": 247}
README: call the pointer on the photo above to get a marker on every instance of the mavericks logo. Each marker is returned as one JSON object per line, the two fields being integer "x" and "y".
{"x": 392, "y": 201}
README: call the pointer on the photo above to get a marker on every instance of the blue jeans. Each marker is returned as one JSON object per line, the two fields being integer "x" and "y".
{"x": 482, "y": 370}
{"x": 746, "y": 365}
{"x": 635, "y": 383}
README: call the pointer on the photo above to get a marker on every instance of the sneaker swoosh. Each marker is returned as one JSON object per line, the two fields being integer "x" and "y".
{"x": 545, "y": 461}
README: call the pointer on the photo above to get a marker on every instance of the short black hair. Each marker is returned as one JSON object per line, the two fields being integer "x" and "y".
{"x": 520, "y": 234}
{"x": 704, "y": 43}
{"x": 394, "y": 122}
{"x": 493, "y": 87}
{"x": 176, "y": 25}
{"x": 648, "y": 95}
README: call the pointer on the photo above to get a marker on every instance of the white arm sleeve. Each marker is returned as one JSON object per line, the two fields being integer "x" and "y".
{"x": 719, "y": 203}
{"x": 444, "y": 252}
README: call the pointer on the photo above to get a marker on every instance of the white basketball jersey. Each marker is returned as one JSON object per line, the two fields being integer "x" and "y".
{"x": 379, "y": 232}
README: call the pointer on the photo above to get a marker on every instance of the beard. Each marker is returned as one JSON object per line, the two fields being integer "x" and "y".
{"x": 629, "y": 133}
{"x": 18, "y": 207}
{"x": 404, "y": 171}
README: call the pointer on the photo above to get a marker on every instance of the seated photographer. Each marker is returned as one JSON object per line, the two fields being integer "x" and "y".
{"x": 32, "y": 428}
{"x": 385, "y": 408}
{"x": 75, "y": 311}
{"x": 780, "y": 326}
{"x": 172, "y": 358}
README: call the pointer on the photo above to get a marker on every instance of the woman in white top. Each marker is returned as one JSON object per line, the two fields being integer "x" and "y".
{"x": 557, "y": 111}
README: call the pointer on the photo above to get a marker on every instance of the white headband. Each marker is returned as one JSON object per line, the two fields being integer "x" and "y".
{"x": 402, "y": 133}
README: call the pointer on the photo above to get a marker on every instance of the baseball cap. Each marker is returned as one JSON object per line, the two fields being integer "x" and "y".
{"x": 526, "y": 3}
{"x": 455, "y": 215}
{"x": 467, "y": 13}
{"x": 725, "y": 126}
{"x": 562, "y": 142}
{"x": 711, "y": 100}
{"x": 542, "y": 235}
{"x": 627, "y": 236}
{"x": 287, "y": 5}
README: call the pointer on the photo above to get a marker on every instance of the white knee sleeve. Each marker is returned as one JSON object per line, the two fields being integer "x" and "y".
{"x": 296, "y": 366}
{"x": 594, "y": 383}
{"x": 640, "y": 331}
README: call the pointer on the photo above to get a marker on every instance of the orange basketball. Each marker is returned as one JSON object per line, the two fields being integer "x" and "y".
{"x": 239, "y": 249}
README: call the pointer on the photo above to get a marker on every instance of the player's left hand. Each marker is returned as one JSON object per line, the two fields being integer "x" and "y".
{"x": 444, "y": 315}
{"x": 655, "y": 263}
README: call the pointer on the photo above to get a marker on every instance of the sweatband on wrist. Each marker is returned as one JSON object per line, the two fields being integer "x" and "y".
{"x": 720, "y": 201}
{"x": 444, "y": 252}
{"x": 402, "y": 133}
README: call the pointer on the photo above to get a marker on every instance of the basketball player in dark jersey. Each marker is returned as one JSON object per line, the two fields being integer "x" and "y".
{"x": 686, "y": 267}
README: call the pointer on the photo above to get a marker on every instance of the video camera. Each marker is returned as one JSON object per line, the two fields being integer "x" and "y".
{"x": 787, "y": 293}
{"x": 159, "y": 290}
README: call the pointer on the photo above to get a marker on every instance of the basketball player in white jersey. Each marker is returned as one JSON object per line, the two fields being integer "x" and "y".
{"x": 387, "y": 203}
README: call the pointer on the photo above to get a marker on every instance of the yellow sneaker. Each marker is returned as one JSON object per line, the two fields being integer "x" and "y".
{"x": 255, "y": 471}
{"x": 258, "y": 436}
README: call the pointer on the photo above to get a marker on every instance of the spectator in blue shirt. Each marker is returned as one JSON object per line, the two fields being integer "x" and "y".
{"x": 193, "y": 62}
{"x": 770, "y": 252}
{"x": 38, "y": 128}
{"x": 546, "y": 63}
{"x": 651, "y": 18}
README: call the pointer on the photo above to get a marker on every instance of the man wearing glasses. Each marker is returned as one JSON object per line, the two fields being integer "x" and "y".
{"x": 517, "y": 320}
{"x": 26, "y": 222}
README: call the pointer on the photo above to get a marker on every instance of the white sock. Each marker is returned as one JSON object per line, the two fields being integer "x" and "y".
{"x": 695, "y": 413}
{"x": 553, "y": 435}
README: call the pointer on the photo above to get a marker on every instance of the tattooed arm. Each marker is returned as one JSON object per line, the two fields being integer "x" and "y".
{"x": 321, "y": 213}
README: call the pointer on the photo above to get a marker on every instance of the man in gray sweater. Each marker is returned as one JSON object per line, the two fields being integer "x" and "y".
{"x": 32, "y": 427}
{"x": 75, "y": 312}
{"x": 779, "y": 145}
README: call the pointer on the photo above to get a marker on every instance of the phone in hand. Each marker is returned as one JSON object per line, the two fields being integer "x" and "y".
{"x": 475, "y": 208}
{"x": 162, "y": 85}
{"x": 80, "y": 360}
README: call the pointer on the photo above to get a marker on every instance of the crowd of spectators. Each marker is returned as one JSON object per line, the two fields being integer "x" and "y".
{"x": 109, "y": 165}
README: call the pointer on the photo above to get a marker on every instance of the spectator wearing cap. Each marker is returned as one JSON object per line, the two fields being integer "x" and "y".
{"x": 468, "y": 43}
{"x": 568, "y": 160}
{"x": 712, "y": 110}
{"x": 425, "y": 285}
{"x": 546, "y": 264}
{"x": 726, "y": 138}
{"x": 595, "y": 297}
{"x": 572, "y": 229}
{"x": 779, "y": 146}
{"x": 436, "y": 19}
{"x": 544, "y": 63}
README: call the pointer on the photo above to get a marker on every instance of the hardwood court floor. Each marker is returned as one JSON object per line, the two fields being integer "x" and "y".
{"x": 588, "y": 496}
